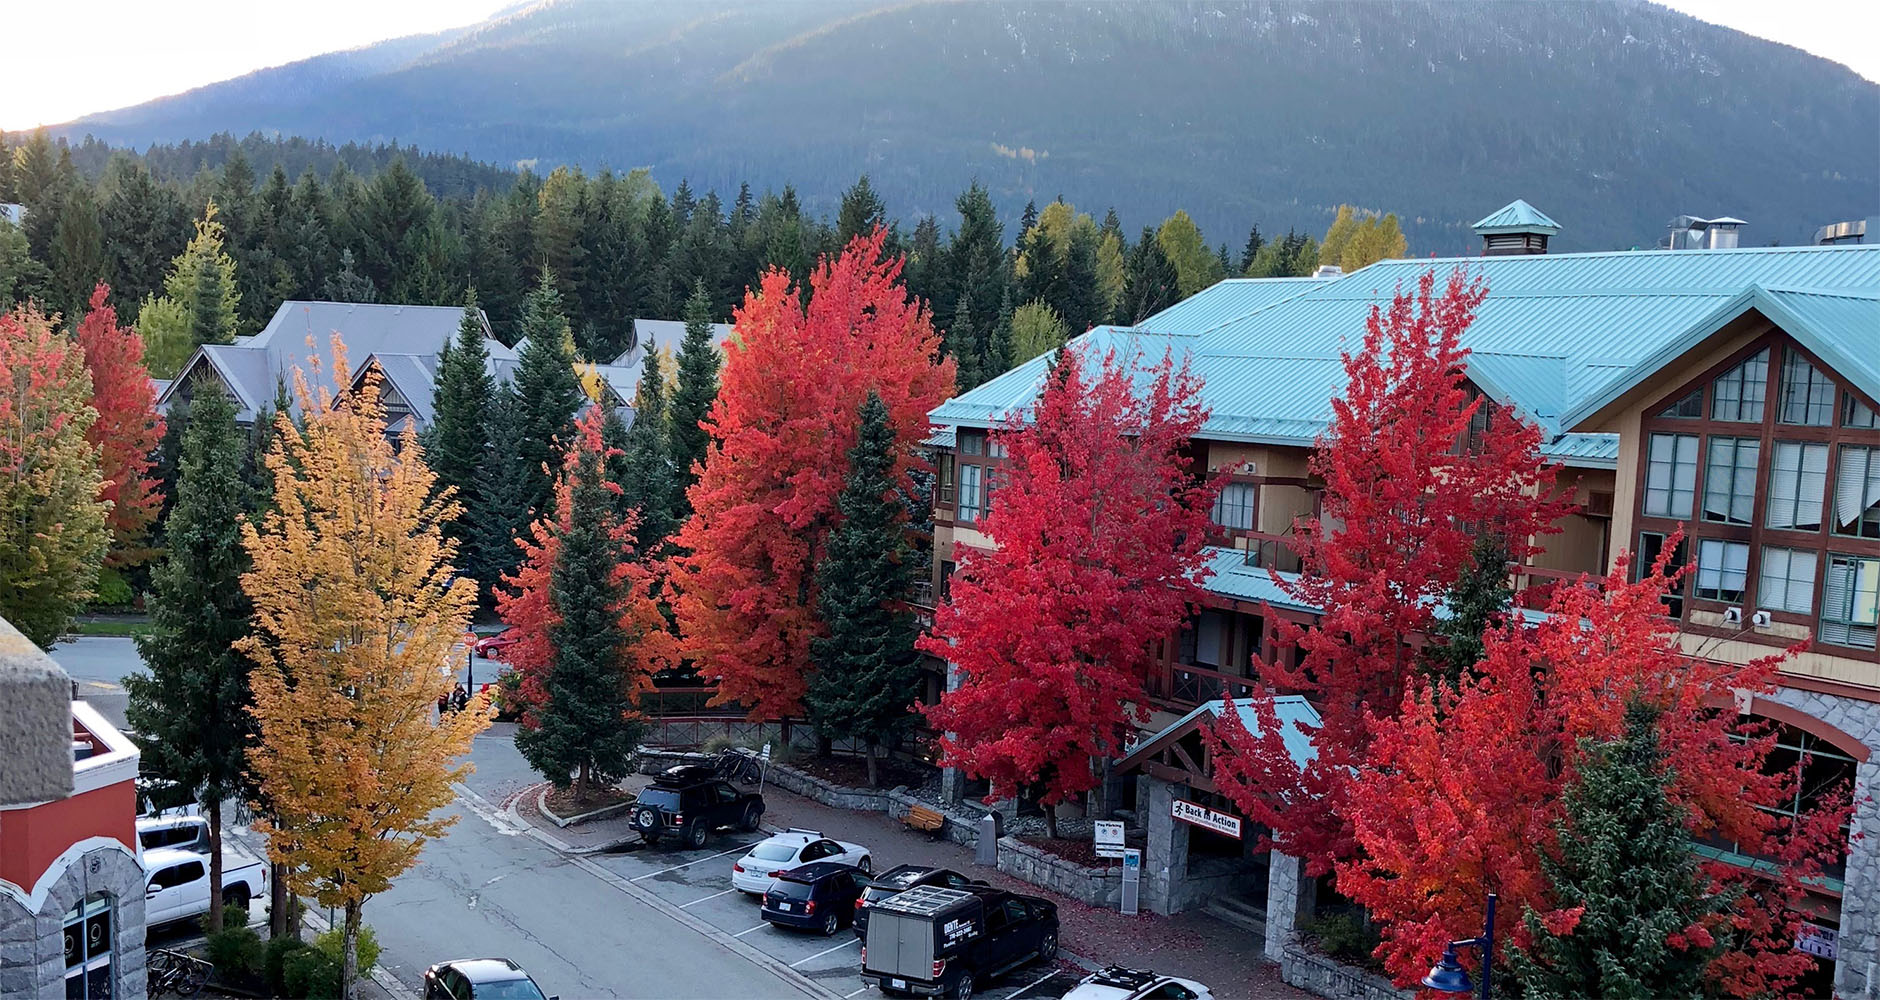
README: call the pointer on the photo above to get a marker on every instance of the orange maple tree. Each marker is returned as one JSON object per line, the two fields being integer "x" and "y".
{"x": 127, "y": 429}
{"x": 794, "y": 377}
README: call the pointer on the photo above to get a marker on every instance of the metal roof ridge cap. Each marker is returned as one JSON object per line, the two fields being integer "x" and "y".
{"x": 1636, "y": 372}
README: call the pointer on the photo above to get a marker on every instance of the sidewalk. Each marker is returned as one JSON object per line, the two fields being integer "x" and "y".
{"x": 1191, "y": 945}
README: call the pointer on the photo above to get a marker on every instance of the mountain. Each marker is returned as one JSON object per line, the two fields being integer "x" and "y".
{"x": 1613, "y": 117}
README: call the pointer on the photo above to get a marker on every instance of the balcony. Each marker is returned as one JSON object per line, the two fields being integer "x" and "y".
{"x": 922, "y": 600}
{"x": 1188, "y": 685}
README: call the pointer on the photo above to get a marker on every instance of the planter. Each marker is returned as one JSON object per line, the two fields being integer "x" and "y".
{"x": 1100, "y": 887}
{"x": 1328, "y": 977}
{"x": 541, "y": 803}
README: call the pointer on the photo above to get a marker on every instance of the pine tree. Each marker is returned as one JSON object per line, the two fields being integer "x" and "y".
{"x": 347, "y": 284}
{"x": 586, "y": 727}
{"x": 1153, "y": 283}
{"x": 1080, "y": 300}
{"x": 646, "y": 480}
{"x": 458, "y": 439}
{"x": 546, "y": 383}
{"x": 1028, "y": 219}
{"x": 1251, "y": 250}
{"x": 867, "y": 671}
{"x": 145, "y": 227}
{"x": 78, "y": 259}
{"x": 503, "y": 501}
{"x": 694, "y": 391}
{"x": 1626, "y": 863}
{"x": 962, "y": 344}
{"x": 192, "y": 705}
{"x": 860, "y": 213}
{"x": 1477, "y": 604}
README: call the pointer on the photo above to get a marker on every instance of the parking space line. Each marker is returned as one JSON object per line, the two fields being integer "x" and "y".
{"x": 714, "y": 895}
{"x": 1027, "y": 987}
{"x": 862, "y": 990}
{"x": 826, "y": 951}
{"x": 688, "y": 864}
{"x": 759, "y": 927}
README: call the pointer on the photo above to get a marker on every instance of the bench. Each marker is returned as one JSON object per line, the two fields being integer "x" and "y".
{"x": 923, "y": 818}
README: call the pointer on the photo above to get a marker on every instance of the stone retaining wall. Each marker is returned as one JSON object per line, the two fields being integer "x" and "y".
{"x": 1100, "y": 887}
{"x": 811, "y": 787}
{"x": 961, "y": 826}
{"x": 1317, "y": 974}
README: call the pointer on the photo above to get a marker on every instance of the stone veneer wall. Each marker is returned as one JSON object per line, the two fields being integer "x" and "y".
{"x": 1859, "y": 939}
{"x": 1324, "y": 977}
{"x": 32, "y": 944}
{"x": 1100, "y": 887}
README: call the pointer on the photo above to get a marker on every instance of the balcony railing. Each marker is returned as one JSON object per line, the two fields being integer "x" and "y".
{"x": 1535, "y": 585}
{"x": 1191, "y": 684}
{"x": 922, "y": 599}
{"x": 1270, "y": 551}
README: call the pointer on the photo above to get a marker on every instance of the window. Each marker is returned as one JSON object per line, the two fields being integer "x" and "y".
{"x": 1234, "y": 507}
{"x": 88, "y": 948}
{"x": 1671, "y": 475}
{"x": 1650, "y": 544}
{"x": 995, "y": 448}
{"x": 1787, "y": 582}
{"x": 969, "y": 493}
{"x": 1826, "y": 778}
{"x": 993, "y": 480}
{"x": 1850, "y": 601}
{"x": 1737, "y": 394}
{"x": 1690, "y": 407}
{"x": 1798, "y": 476}
{"x": 1722, "y": 569}
{"x": 971, "y": 444}
{"x": 1730, "y": 480}
{"x": 944, "y": 470}
{"x": 176, "y": 875}
{"x": 1807, "y": 395}
{"x": 1857, "y": 492}
{"x": 1859, "y": 414}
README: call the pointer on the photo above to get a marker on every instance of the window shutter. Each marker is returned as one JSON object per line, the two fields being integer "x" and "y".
{"x": 1837, "y": 586}
{"x": 1856, "y": 484}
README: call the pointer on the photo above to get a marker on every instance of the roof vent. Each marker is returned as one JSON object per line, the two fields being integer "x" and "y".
{"x": 1518, "y": 228}
{"x": 1328, "y": 271}
{"x": 1688, "y": 232}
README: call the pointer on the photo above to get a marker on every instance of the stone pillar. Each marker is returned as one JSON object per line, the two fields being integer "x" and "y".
{"x": 952, "y": 780}
{"x": 1165, "y": 859}
{"x": 1290, "y": 896}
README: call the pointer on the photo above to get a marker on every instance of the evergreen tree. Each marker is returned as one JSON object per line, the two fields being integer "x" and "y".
{"x": 1625, "y": 856}
{"x": 1223, "y": 264}
{"x": 1080, "y": 299}
{"x": 504, "y": 499}
{"x": 867, "y": 670}
{"x": 390, "y": 225}
{"x": 1153, "y": 283}
{"x": 347, "y": 284}
{"x": 458, "y": 438}
{"x": 586, "y": 726}
{"x": 976, "y": 258}
{"x": 191, "y": 708}
{"x": 145, "y": 227}
{"x": 1251, "y": 250}
{"x": 548, "y": 387}
{"x": 963, "y": 344}
{"x": 861, "y": 211}
{"x": 1477, "y": 604}
{"x": 646, "y": 479}
{"x": 694, "y": 391}
{"x": 1029, "y": 218}
{"x": 78, "y": 258}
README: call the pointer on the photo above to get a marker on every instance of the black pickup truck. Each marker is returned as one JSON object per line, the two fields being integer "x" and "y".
{"x": 936, "y": 941}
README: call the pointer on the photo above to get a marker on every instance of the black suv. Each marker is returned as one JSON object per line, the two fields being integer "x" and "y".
{"x": 900, "y": 879}
{"x": 934, "y": 941}
{"x": 688, "y": 801}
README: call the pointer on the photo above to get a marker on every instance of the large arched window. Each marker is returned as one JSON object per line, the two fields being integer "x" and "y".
{"x": 1825, "y": 778}
{"x": 88, "y": 948}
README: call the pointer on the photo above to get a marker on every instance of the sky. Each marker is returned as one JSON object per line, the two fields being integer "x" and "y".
{"x": 68, "y": 58}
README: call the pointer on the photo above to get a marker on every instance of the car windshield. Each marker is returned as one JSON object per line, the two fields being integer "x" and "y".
{"x": 773, "y": 852}
{"x": 660, "y": 798}
{"x": 506, "y": 989}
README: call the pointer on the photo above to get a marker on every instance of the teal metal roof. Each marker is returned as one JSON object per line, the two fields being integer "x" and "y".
{"x": 1517, "y": 217}
{"x": 1558, "y": 336}
{"x": 1296, "y": 716}
{"x": 1226, "y": 301}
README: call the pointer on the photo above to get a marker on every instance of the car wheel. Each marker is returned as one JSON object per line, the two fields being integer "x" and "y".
{"x": 866, "y": 865}
{"x": 236, "y": 897}
{"x": 830, "y": 925}
{"x": 963, "y": 990}
{"x": 695, "y": 834}
{"x": 753, "y": 813}
{"x": 1047, "y": 949}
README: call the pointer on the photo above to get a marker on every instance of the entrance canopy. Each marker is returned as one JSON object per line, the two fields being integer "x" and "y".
{"x": 1179, "y": 754}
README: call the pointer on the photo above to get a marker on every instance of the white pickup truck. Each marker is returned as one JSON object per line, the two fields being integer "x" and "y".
{"x": 176, "y": 883}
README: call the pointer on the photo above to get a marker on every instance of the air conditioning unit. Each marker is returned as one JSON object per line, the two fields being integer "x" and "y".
{"x": 1733, "y": 616}
{"x": 1760, "y": 619}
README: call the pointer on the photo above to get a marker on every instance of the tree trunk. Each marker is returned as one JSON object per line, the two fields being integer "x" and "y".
{"x": 349, "y": 964}
{"x": 581, "y": 783}
{"x": 874, "y": 777}
{"x": 280, "y": 909}
{"x": 1050, "y": 821}
{"x": 215, "y": 864}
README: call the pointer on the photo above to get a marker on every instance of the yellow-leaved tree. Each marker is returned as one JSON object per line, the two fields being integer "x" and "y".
{"x": 357, "y": 605}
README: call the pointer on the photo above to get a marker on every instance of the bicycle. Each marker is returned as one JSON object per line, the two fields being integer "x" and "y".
{"x": 174, "y": 973}
{"x": 738, "y": 764}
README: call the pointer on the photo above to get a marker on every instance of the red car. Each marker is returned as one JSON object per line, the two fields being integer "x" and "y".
{"x": 492, "y": 647}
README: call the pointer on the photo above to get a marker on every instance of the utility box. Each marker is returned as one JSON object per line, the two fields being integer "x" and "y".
{"x": 987, "y": 851}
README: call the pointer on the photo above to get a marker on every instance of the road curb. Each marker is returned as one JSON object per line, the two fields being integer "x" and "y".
{"x": 579, "y": 858}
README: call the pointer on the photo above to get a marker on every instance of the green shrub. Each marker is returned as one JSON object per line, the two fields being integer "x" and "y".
{"x": 332, "y": 942}
{"x": 1342, "y": 936}
{"x": 274, "y": 963}
{"x": 238, "y": 953}
{"x": 113, "y": 590}
{"x": 310, "y": 974}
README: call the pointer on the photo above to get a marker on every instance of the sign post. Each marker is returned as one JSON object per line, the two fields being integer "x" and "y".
{"x": 763, "y": 768}
{"x": 1108, "y": 835}
{"x": 1132, "y": 879}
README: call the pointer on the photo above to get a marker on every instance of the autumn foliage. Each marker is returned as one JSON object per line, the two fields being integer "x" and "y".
{"x": 358, "y": 612}
{"x": 1402, "y": 507}
{"x": 1461, "y": 792}
{"x": 127, "y": 429}
{"x": 1099, "y": 524}
{"x": 794, "y": 377}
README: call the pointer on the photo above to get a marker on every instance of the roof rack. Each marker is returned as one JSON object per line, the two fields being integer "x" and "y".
{"x": 1124, "y": 978}
{"x": 924, "y": 900}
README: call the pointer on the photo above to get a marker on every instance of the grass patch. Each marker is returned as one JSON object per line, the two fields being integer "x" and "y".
{"x": 117, "y": 629}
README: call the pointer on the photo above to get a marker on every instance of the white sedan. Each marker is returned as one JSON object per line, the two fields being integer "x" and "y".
{"x": 757, "y": 871}
{"x": 1118, "y": 983}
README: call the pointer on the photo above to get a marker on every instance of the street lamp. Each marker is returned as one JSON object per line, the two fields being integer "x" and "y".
{"x": 1448, "y": 975}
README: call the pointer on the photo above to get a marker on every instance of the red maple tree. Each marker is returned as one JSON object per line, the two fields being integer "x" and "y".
{"x": 1461, "y": 792}
{"x": 525, "y": 605}
{"x": 1408, "y": 490}
{"x": 127, "y": 429}
{"x": 783, "y": 423}
{"x": 1099, "y": 523}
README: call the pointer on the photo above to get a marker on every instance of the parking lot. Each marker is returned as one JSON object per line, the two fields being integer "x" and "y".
{"x": 700, "y": 883}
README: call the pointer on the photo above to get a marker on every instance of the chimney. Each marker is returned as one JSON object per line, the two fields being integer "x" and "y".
{"x": 1518, "y": 228}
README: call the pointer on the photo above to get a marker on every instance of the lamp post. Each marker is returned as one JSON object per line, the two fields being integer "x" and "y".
{"x": 1448, "y": 975}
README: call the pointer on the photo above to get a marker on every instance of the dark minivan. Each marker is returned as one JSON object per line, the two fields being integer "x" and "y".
{"x": 934, "y": 941}
{"x": 899, "y": 879}
{"x": 817, "y": 896}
